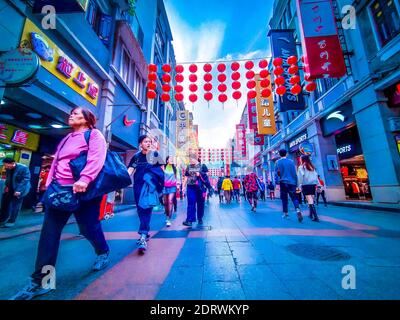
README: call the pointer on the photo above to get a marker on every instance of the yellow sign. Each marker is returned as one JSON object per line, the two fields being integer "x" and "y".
{"x": 17, "y": 137}
{"x": 54, "y": 60}
{"x": 265, "y": 110}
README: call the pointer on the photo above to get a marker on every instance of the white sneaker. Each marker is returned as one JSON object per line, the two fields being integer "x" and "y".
{"x": 168, "y": 223}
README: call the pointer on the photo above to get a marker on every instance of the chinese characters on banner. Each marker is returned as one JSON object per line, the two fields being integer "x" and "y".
{"x": 323, "y": 56}
{"x": 241, "y": 147}
{"x": 284, "y": 46}
{"x": 265, "y": 111}
{"x": 252, "y": 114}
{"x": 182, "y": 133}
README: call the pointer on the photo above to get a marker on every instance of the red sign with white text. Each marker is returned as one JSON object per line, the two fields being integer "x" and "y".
{"x": 252, "y": 111}
{"x": 323, "y": 55}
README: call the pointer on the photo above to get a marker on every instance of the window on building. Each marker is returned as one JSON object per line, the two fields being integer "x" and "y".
{"x": 101, "y": 23}
{"x": 137, "y": 85}
{"x": 324, "y": 85}
{"x": 125, "y": 65}
{"x": 386, "y": 19}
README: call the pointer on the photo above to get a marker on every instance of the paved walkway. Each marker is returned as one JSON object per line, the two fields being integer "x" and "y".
{"x": 237, "y": 254}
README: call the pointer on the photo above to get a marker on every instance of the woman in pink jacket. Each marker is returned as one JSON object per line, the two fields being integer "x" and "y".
{"x": 87, "y": 215}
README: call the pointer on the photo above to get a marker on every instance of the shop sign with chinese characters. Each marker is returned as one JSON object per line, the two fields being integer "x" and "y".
{"x": 258, "y": 139}
{"x": 323, "y": 56}
{"x": 17, "y": 137}
{"x": 265, "y": 111}
{"x": 54, "y": 60}
{"x": 241, "y": 142}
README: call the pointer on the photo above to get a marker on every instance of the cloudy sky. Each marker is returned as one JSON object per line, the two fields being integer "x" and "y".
{"x": 212, "y": 30}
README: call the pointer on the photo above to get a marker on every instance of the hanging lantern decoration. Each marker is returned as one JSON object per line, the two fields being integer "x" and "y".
{"x": 179, "y": 77}
{"x": 235, "y": 66}
{"x": 165, "y": 97}
{"x": 236, "y": 85}
{"x": 263, "y": 64}
{"x": 310, "y": 87}
{"x": 277, "y": 62}
{"x": 152, "y": 67}
{"x": 296, "y": 89}
{"x": 207, "y": 67}
{"x": 179, "y": 68}
{"x": 208, "y": 77}
{"x": 222, "y": 87}
{"x": 152, "y": 76}
{"x": 264, "y": 74}
{"x": 166, "y": 68}
{"x": 166, "y": 87}
{"x": 222, "y": 98}
{"x": 236, "y": 95}
{"x": 208, "y": 96}
{"x": 292, "y": 60}
{"x": 221, "y": 77}
{"x": 235, "y": 76}
{"x": 192, "y": 78}
{"x": 179, "y": 97}
{"x": 178, "y": 88}
{"x": 193, "y": 68}
{"x": 193, "y": 87}
{"x": 294, "y": 79}
{"x": 249, "y": 65}
{"x": 281, "y": 90}
{"x": 193, "y": 98}
{"x": 251, "y": 94}
{"x": 207, "y": 86}
{"x": 221, "y": 67}
{"x": 293, "y": 69}
{"x": 251, "y": 84}
{"x": 151, "y": 94}
{"x": 166, "y": 77}
{"x": 265, "y": 83}
{"x": 265, "y": 93}
{"x": 279, "y": 81}
{"x": 278, "y": 71}
{"x": 250, "y": 74}
{"x": 152, "y": 85}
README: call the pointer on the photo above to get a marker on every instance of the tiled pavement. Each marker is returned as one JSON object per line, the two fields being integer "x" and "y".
{"x": 238, "y": 254}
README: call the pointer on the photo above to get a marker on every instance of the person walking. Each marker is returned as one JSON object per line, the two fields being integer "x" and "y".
{"x": 271, "y": 189}
{"x": 44, "y": 174}
{"x": 262, "y": 188}
{"x": 227, "y": 187}
{"x": 286, "y": 171}
{"x": 17, "y": 186}
{"x": 236, "y": 189}
{"x": 169, "y": 189}
{"x": 307, "y": 182}
{"x": 196, "y": 183}
{"x": 146, "y": 169}
{"x": 251, "y": 186}
{"x": 321, "y": 191}
{"x": 88, "y": 212}
{"x": 219, "y": 188}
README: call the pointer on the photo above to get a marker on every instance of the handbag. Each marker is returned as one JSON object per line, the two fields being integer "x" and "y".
{"x": 61, "y": 197}
{"x": 113, "y": 176}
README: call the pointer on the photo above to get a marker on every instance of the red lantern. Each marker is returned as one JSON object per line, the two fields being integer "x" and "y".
{"x": 179, "y": 77}
{"x": 165, "y": 97}
{"x": 222, "y": 77}
{"x": 178, "y": 88}
{"x": 263, "y": 64}
{"x": 208, "y": 86}
{"x": 192, "y": 78}
{"x": 222, "y": 97}
{"x": 277, "y": 62}
{"x": 235, "y": 76}
{"x": 235, "y": 66}
{"x": 264, "y": 83}
{"x": 222, "y": 87}
{"x": 281, "y": 90}
{"x": 293, "y": 69}
{"x": 166, "y": 87}
{"x": 249, "y": 65}
{"x": 251, "y": 84}
{"x": 152, "y": 76}
{"x": 166, "y": 77}
{"x": 207, "y": 67}
{"x": 166, "y": 68}
{"x": 152, "y": 67}
{"x": 296, "y": 89}
{"x": 221, "y": 67}
{"x": 264, "y": 74}
{"x": 280, "y": 81}
{"x": 179, "y": 68}
{"x": 152, "y": 85}
{"x": 292, "y": 60}
{"x": 236, "y": 85}
{"x": 179, "y": 97}
{"x": 193, "y": 98}
{"x": 251, "y": 94}
{"x": 265, "y": 93}
{"x": 208, "y": 77}
{"x": 236, "y": 95}
{"x": 192, "y": 68}
{"x": 193, "y": 87}
{"x": 151, "y": 94}
{"x": 208, "y": 96}
{"x": 311, "y": 86}
{"x": 278, "y": 71}
{"x": 250, "y": 74}
{"x": 295, "y": 79}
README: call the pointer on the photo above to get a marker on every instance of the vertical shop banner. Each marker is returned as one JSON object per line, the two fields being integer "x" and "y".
{"x": 284, "y": 46}
{"x": 323, "y": 55}
{"x": 265, "y": 111}
{"x": 258, "y": 139}
{"x": 241, "y": 142}
{"x": 182, "y": 132}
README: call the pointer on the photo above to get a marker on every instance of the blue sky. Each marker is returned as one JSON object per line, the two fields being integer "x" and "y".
{"x": 211, "y": 30}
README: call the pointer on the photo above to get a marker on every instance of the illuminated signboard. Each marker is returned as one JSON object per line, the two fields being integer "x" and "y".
{"x": 17, "y": 137}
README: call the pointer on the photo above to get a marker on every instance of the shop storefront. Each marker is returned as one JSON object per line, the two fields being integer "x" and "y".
{"x": 299, "y": 146}
{"x": 351, "y": 163}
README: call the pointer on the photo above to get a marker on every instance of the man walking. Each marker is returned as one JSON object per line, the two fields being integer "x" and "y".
{"x": 286, "y": 171}
{"x": 236, "y": 189}
{"x": 17, "y": 186}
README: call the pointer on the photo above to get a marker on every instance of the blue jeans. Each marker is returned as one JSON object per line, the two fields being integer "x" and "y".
{"x": 87, "y": 217}
{"x": 195, "y": 199}
{"x": 144, "y": 217}
{"x": 11, "y": 207}
{"x": 288, "y": 189}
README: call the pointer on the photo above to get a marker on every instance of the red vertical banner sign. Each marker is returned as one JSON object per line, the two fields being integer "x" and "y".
{"x": 323, "y": 55}
{"x": 241, "y": 142}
